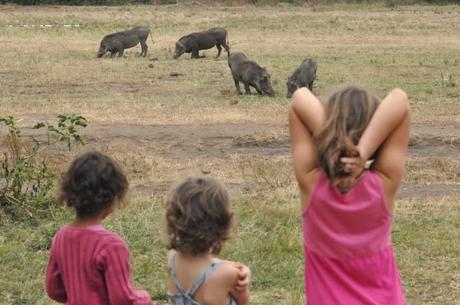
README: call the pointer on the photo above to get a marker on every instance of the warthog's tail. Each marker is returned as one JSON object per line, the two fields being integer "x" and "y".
{"x": 151, "y": 37}
{"x": 228, "y": 44}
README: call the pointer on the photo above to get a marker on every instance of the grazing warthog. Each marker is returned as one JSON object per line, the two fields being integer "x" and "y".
{"x": 250, "y": 74}
{"x": 194, "y": 42}
{"x": 303, "y": 76}
{"x": 118, "y": 42}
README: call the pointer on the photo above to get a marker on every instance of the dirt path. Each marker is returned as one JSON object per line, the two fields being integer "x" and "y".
{"x": 219, "y": 140}
{"x": 184, "y": 142}
{"x": 187, "y": 142}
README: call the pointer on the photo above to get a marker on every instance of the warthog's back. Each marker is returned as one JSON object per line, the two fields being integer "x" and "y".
{"x": 217, "y": 31}
{"x": 235, "y": 59}
{"x": 213, "y": 33}
{"x": 130, "y": 38}
{"x": 306, "y": 70}
{"x": 250, "y": 65}
{"x": 141, "y": 31}
{"x": 309, "y": 65}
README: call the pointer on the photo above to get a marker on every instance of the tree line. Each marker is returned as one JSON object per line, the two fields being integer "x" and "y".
{"x": 87, "y": 2}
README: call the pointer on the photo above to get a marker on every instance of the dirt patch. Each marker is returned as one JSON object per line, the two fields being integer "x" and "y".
{"x": 431, "y": 190}
{"x": 182, "y": 143}
{"x": 219, "y": 140}
{"x": 436, "y": 140}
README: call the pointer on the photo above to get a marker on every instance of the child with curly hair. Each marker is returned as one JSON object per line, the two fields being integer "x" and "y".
{"x": 87, "y": 263}
{"x": 198, "y": 220}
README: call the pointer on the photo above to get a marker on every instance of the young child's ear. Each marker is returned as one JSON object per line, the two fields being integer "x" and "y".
{"x": 107, "y": 211}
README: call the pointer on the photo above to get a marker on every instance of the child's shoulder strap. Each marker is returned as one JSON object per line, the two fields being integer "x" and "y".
{"x": 198, "y": 282}
{"x": 172, "y": 270}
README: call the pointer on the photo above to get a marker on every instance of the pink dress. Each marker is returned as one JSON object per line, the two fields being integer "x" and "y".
{"x": 349, "y": 258}
{"x": 90, "y": 266}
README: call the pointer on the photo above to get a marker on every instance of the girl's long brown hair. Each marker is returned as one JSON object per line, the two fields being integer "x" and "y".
{"x": 348, "y": 112}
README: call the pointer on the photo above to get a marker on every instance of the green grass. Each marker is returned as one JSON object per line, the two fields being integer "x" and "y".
{"x": 267, "y": 238}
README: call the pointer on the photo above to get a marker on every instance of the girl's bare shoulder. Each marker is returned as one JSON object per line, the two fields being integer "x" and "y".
{"x": 226, "y": 273}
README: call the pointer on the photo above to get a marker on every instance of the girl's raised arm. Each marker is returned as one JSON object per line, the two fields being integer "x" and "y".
{"x": 306, "y": 118}
{"x": 388, "y": 132}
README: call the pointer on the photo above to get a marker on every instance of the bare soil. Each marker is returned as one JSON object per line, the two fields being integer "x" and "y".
{"x": 182, "y": 143}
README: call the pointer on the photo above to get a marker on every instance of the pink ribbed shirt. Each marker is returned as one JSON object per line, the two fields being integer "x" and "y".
{"x": 90, "y": 266}
{"x": 349, "y": 257}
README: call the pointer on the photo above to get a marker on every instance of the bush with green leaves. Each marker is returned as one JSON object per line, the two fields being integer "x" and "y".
{"x": 66, "y": 131}
{"x": 26, "y": 179}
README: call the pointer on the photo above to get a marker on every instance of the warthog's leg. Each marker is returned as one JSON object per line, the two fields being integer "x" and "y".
{"x": 112, "y": 53}
{"x": 120, "y": 52}
{"x": 219, "y": 50}
{"x": 237, "y": 86}
{"x": 247, "y": 89}
{"x": 144, "y": 48}
{"x": 195, "y": 54}
{"x": 258, "y": 90}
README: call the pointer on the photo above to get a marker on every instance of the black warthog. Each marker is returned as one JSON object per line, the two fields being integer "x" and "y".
{"x": 194, "y": 42}
{"x": 250, "y": 74}
{"x": 118, "y": 42}
{"x": 303, "y": 76}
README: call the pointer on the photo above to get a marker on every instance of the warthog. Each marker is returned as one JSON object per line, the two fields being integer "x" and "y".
{"x": 303, "y": 76}
{"x": 118, "y": 42}
{"x": 194, "y": 42}
{"x": 250, "y": 74}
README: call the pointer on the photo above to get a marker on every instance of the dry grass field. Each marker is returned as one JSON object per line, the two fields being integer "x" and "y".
{"x": 165, "y": 119}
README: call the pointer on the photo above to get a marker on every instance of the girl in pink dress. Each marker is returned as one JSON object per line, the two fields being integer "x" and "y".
{"x": 89, "y": 265}
{"x": 347, "y": 206}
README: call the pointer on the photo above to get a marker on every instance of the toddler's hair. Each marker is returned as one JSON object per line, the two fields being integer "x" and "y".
{"x": 198, "y": 216}
{"x": 93, "y": 183}
{"x": 348, "y": 112}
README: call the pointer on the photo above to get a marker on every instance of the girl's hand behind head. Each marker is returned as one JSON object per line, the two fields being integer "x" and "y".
{"x": 354, "y": 167}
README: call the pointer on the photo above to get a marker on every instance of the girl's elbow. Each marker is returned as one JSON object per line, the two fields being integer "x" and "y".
{"x": 297, "y": 101}
{"x": 298, "y": 95}
{"x": 58, "y": 297}
{"x": 402, "y": 96}
{"x": 243, "y": 298}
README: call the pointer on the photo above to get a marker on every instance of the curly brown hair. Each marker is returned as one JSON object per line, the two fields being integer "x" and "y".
{"x": 198, "y": 216}
{"x": 93, "y": 183}
{"x": 348, "y": 112}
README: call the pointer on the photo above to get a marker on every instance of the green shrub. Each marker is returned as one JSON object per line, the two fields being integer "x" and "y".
{"x": 26, "y": 180}
{"x": 66, "y": 130}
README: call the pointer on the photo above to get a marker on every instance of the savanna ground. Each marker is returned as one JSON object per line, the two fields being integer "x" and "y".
{"x": 165, "y": 119}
